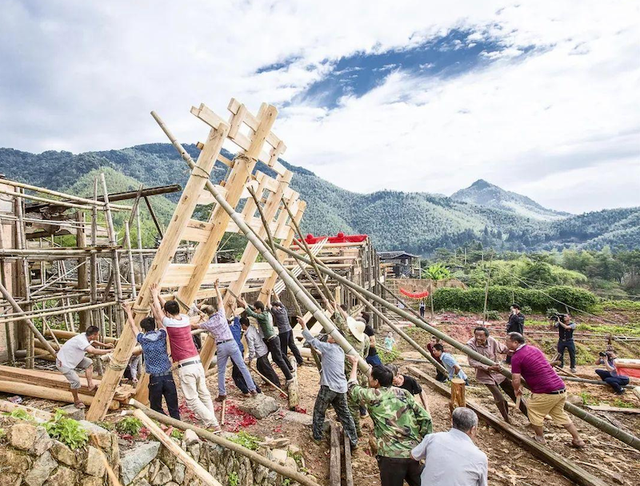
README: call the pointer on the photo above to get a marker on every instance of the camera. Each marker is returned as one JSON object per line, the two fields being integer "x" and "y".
{"x": 556, "y": 316}
{"x": 603, "y": 355}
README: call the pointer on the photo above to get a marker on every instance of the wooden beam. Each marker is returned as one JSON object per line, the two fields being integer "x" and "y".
{"x": 561, "y": 463}
{"x": 176, "y": 450}
{"x": 348, "y": 470}
{"x": 607, "y": 408}
{"x": 164, "y": 255}
{"x": 37, "y": 391}
{"x": 334, "y": 461}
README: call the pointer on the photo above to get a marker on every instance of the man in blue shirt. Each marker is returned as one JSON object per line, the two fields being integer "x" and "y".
{"x": 450, "y": 363}
{"x": 238, "y": 379}
{"x": 156, "y": 363}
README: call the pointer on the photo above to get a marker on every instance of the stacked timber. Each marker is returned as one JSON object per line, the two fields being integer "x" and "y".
{"x": 50, "y": 385}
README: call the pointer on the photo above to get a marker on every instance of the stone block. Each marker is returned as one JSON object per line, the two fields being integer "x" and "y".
{"x": 162, "y": 475}
{"x": 190, "y": 437}
{"x": 63, "y": 476}
{"x": 298, "y": 418}
{"x": 22, "y": 436}
{"x": 179, "y": 472}
{"x": 42, "y": 442}
{"x": 91, "y": 481}
{"x": 260, "y": 406}
{"x": 194, "y": 450}
{"x": 41, "y": 470}
{"x": 63, "y": 454}
{"x": 94, "y": 463}
{"x": 7, "y": 479}
{"x": 14, "y": 461}
{"x": 279, "y": 455}
{"x": 73, "y": 413}
{"x": 136, "y": 459}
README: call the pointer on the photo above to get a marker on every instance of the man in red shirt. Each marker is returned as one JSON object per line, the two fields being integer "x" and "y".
{"x": 548, "y": 391}
{"x": 184, "y": 353}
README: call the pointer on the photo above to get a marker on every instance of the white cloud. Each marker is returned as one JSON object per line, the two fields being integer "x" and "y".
{"x": 83, "y": 76}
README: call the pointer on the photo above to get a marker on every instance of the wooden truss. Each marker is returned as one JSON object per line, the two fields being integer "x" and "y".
{"x": 187, "y": 282}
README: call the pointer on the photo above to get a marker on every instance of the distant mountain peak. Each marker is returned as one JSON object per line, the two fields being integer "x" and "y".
{"x": 489, "y": 195}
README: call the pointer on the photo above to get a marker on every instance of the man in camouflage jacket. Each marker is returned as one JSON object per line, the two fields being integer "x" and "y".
{"x": 399, "y": 424}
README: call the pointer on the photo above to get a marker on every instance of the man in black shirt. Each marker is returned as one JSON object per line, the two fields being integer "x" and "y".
{"x": 565, "y": 340}
{"x": 515, "y": 324}
{"x": 372, "y": 358}
{"x": 409, "y": 384}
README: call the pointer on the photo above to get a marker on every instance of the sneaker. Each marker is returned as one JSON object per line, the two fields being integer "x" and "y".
{"x": 573, "y": 370}
{"x": 221, "y": 398}
{"x": 621, "y": 392}
{"x": 290, "y": 381}
{"x": 253, "y": 393}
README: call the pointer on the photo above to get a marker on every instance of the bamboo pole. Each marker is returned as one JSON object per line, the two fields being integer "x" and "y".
{"x": 227, "y": 444}
{"x": 21, "y": 315}
{"x": 7, "y": 327}
{"x": 259, "y": 244}
{"x": 26, "y": 320}
{"x": 132, "y": 273}
{"x": 113, "y": 237}
{"x": 176, "y": 450}
{"x": 60, "y": 194}
{"x": 619, "y": 434}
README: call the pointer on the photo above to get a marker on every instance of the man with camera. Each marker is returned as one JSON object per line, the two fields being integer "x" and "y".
{"x": 610, "y": 375}
{"x": 515, "y": 324}
{"x": 565, "y": 339}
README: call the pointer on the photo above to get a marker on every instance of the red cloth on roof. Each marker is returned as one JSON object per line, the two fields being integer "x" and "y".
{"x": 339, "y": 238}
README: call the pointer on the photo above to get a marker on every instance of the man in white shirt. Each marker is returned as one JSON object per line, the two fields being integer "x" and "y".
{"x": 451, "y": 458}
{"x": 72, "y": 355}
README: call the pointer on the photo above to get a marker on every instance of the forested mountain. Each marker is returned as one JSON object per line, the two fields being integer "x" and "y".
{"x": 485, "y": 194}
{"x": 415, "y": 222}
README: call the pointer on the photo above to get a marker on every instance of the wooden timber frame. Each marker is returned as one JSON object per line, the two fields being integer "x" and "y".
{"x": 188, "y": 282}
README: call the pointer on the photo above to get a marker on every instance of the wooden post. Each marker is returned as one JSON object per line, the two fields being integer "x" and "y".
{"x": 162, "y": 260}
{"x": 176, "y": 450}
{"x": 132, "y": 271}
{"x": 115, "y": 259}
{"x": 8, "y": 328}
{"x": 334, "y": 461}
{"x": 83, "y": 281}
{"x": 23, "y": 277}
{"x": 348, "y": 470}
{"x": 457, "y": 394}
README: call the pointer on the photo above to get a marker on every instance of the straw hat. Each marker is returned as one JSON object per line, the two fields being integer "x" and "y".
{"x": 356, "y": 328}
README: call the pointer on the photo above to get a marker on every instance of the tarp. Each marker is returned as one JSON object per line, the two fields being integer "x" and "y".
{"x": 414, "y": 295}
{"x": 339, "y": 238}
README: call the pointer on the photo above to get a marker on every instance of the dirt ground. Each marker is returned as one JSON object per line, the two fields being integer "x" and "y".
{"x": 509, "y": 464}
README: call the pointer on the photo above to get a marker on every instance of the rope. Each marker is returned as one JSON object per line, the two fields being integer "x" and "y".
{"x": 206, "y": 175}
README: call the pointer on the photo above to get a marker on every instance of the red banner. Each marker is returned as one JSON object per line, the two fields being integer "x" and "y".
{"x": 414, "y": 295}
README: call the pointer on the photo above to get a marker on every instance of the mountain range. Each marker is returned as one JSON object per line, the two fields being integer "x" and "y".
{"x": 415, "y": 222}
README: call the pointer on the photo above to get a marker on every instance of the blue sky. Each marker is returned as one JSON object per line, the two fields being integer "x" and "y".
{"x": 414, "y": 95}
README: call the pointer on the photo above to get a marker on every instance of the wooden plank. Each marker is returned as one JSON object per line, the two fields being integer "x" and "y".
{"x": 197, "y": 231}
{"x": 235, "y": 106}
{"x": 65, "y": 396}
{"x": 179, "y": 274}
{"x": 561, "y": 463}
{"x": 607, "y": 408}
{"x": 176, "y": 450}
{"x": 334, "y": 461}
{"x": 348, "y": 470}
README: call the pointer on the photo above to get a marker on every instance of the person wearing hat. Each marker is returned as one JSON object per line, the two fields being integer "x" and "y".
{"x": 353, "y": 332}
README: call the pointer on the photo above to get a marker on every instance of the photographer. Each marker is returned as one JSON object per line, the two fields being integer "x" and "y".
{"x": 515, "y": 324}
{"x": 610, "y": 375}
{"x": 565, "y": 339}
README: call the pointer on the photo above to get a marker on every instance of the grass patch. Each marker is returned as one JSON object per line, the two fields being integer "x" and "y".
{"x": 588, "y": 399}
{"x": 129, "y": 426}
{"x": 388, "y": 356}
{"x": 246, "y": 440}
{"x": 67, "y": 431}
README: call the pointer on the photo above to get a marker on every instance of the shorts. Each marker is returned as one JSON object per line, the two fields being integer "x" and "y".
{"x": 543, "y": 404}
{"x": 70, "y": 373}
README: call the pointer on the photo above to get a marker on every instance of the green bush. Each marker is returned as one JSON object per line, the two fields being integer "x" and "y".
{"x": 129, "y": 425}
{"x": 67, "y": 431}
{"x": 493, "y": 315}
{"x": 388, "y": 356}
{"x": 500, "y": 298}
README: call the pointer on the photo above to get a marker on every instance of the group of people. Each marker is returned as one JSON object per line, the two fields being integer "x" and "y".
{"x": 168, "y": 328}
{"x": 395, "y": 402}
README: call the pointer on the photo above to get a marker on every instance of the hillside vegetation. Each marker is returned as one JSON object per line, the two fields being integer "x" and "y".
{"x": 416, "y": 222}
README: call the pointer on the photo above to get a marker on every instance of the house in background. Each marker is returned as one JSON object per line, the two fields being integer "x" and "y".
{"x": 400, "y": 264}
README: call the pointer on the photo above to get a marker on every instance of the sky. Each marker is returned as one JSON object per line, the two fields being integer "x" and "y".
{"x": 538, "y": 97}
